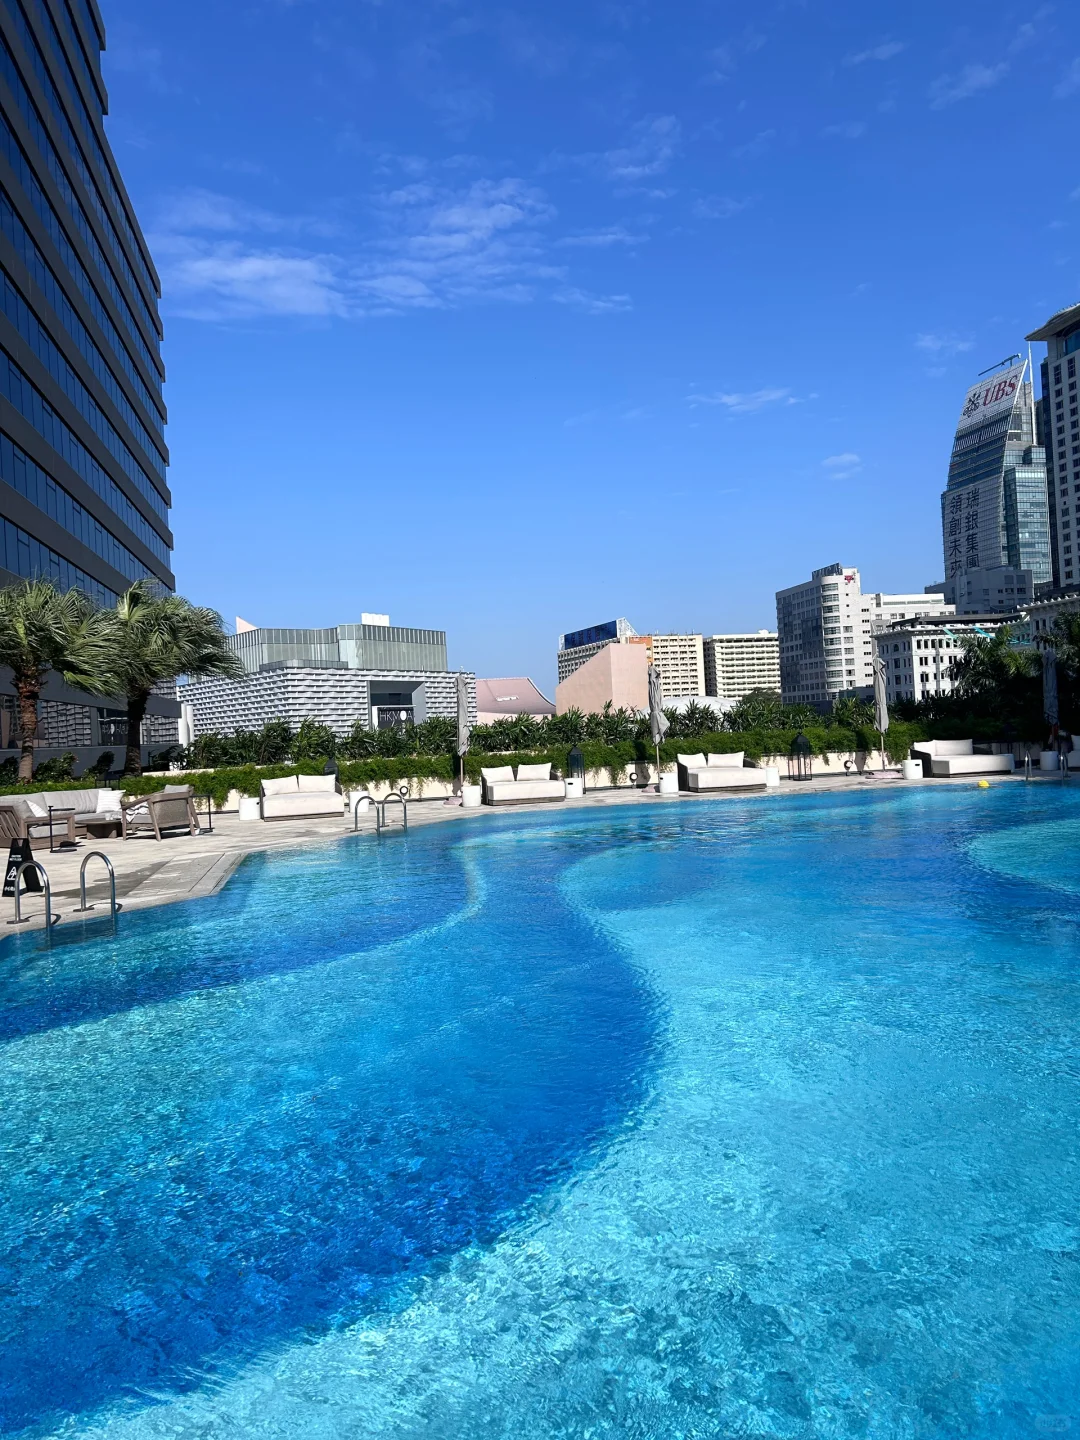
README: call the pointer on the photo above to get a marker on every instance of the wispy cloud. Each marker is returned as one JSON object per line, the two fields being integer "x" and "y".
{"x": 885, "y": 51}
{"x": 604, "y": 239}
{"x": 649, "y": 151}
{"x": 591, "y": 304}
{"x": 724, "y": 58}
{"x": 431, "y": 245}
{"x": 971, "y": 80}
{"x": 843, "y": 465}
{"x": 745, "y": 402}
{"x": 947, "y": 344}
{"x": 852, "y": 130}
{"x": 752, "y": 149}
{"x": 1069, "y": 82}
{"x": 719, "y": 207}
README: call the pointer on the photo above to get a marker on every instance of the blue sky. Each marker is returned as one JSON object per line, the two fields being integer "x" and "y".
{"x": 508, "y": 320}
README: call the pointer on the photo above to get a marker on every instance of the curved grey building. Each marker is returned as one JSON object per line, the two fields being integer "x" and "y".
{"x": 83, "y": 494}
{"x": 994, "y": 512}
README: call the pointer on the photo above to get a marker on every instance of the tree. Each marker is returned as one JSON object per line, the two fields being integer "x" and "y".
{"x": 43, "y": 629}
{"x": 157, "y": 636}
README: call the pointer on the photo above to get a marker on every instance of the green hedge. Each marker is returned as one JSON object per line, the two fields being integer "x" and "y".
{"x": 618, "y": 760}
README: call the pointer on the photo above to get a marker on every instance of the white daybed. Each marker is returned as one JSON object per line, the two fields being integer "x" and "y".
{"x": 957, "y": 757}
{"x": 718, "y": 772}
{"x": 500, "y": 785}
{"x": 296, "y": 797}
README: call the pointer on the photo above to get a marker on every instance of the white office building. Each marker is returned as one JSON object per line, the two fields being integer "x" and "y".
{"x": 679, "y": 661}
{"x": 736, "y": 664}
{"x": 919, "y": 654}
{"x": 825, "y": 630}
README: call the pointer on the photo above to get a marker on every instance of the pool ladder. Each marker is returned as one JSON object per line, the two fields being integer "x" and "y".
{"x": 83, "y": 906}
{"x": 20, "y": 919}
{"x": 381, "y": 822}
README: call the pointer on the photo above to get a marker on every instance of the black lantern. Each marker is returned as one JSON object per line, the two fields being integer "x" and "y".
{"x": 575, "y": 766}
{"x": 800, "y": 761}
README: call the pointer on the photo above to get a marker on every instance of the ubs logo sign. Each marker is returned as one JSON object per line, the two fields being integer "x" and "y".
{"x": 991, "y": 397}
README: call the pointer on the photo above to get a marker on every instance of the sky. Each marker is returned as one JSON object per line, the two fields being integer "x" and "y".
{"x": 510, "y": 319}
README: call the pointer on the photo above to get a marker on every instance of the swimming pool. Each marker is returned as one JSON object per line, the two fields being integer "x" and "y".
{"x": 745, "y": 1118}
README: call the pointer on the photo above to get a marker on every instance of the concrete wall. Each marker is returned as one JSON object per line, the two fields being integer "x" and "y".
{"x": 617, "y": 673}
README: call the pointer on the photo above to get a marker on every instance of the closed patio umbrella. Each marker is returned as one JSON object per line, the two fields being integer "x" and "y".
{"x": 1050, "y": 691}
{"x": 464, "y": 729}
{"x": 881, "y": 708}
{"x": 658, "y": 721}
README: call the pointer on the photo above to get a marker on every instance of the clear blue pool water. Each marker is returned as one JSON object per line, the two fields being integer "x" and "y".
{"x": 713, "y": 1119}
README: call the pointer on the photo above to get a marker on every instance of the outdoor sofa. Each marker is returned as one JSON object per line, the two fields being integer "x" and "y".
{"x": 26, "y": 817}
{"x": 718, "y": 772}
{"x": 501, "y": 786}
{"x": 171, "y": 808}
{"x": 300, "y": 797}
{"x": 957, "y": 757}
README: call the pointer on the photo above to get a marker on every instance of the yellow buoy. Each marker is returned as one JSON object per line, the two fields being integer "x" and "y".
{"x": 984, "y": 784}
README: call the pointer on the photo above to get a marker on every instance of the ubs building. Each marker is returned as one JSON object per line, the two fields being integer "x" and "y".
{"x": 994, "y": 511}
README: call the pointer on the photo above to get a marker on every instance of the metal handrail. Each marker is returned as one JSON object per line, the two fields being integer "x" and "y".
{"x": 1027, "y": 765}
{"x": 83, "y": 906}
{"x": 50, "y": 919}
{"x": 380, "y": 809}
{"x": 356, "y": 810}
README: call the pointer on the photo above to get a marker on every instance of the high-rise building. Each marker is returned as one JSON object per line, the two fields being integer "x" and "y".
{"x": 737, "y": 664}
{"x": 825, "y": 628}
{"x": 679, "y": 662}
{"x": 382, "y": 675}
{"x": 577, "y": 646}
{"x": 1060, "y": 435}
{"x": 83, "y": 494}
{"x": 994, "y": 510}
{"x": 82, "y": 421}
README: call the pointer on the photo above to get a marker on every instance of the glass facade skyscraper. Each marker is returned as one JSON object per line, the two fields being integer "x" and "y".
{"x": 83, "y": 494}
{"x": 994, "y": 511}
{"x": 1061, "y": 436}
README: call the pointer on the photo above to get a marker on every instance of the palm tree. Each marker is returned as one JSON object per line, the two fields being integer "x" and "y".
{"x": 158, "y": 636}
{"x": 43, "y": 629}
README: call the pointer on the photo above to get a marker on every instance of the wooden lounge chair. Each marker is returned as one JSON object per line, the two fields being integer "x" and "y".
{"x": 170, "y": 809}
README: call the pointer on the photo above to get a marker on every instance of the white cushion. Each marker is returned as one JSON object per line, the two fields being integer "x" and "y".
{"x": 301, "y": 803}
{"x": 692, "y": 762}
{"x": 317, "y": 784}
{"x": 37, "y": 809}
{"x": 109, "y": 800}
{"x": 725, "y": 777}
{"x": 286, "y": 785}
{"x": 495, "y": 773}
{"x": 513, "y": 792}
{"x": 534, "y": 772}
{"x": 735, "y": 759}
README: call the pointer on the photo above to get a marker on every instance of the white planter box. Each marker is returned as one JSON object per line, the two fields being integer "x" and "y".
{"x": 575, "y": 787}
{"x": 669, "y": 785}
{"x": 248, "y": 807}
{"x": 913, "y": 770}
{"x": 470, "y": 796}
{"x": 772, "y": 777}
{"x": 1048, "y": 759}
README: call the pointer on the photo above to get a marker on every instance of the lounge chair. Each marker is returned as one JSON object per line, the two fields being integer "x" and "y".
{"x": 957, "y": 757}
{"x": 500, "y": 785}
{"x": 172, "y": 808}
{"x": 301, "y": 797}
{"x": 718, "y": 772}
{"x": 26, "y": 817}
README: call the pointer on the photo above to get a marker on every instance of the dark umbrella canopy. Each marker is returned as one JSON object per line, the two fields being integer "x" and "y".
{"x": 658, "y": 721}
{"x": 1050, "y": 685}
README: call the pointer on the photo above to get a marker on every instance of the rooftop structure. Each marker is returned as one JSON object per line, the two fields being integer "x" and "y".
{"x": 505, "y": 698}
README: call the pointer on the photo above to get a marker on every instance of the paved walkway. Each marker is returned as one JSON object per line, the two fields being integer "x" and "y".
{"x": 184, "y": 867}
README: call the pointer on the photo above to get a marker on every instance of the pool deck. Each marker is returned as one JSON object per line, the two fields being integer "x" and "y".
{"x": 185, "y": 867}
